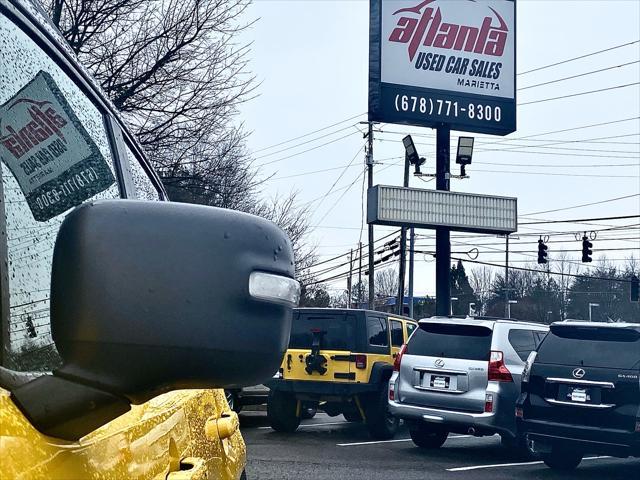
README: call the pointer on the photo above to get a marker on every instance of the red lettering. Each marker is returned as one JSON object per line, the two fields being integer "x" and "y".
{"x": 429, "y": 31}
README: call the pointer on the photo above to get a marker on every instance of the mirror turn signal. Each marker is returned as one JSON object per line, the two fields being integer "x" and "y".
{"x": 274, "y": 288}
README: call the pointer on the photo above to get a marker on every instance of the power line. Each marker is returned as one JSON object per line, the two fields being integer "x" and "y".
{"x": 579, "y": 94}
{"x": 579, "y": 75}
{"x": 304, "y": 143}
{"x": 583, "y": 205}
{"x": 310, "y": 133}
{"x": 579, "y": 220}
{"x": 579, "y": 57}
{"x": 545, "y": 272}
{"x": 553, "y": 174}
{"x": 338, "y": 179}
{"x": 307, "y": 150}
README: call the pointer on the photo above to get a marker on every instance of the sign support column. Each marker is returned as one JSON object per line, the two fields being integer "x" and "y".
{"x": 443, "y": 240}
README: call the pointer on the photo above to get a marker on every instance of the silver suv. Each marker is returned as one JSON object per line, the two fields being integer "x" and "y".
{"x": 462, "y": 376}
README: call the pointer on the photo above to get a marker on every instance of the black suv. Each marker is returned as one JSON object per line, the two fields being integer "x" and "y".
{"x": 581, "y": 393}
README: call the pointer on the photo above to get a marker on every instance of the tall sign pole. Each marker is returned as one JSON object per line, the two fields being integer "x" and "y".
{"x": 445, "y": 65}
{"x": 443, "y": 240}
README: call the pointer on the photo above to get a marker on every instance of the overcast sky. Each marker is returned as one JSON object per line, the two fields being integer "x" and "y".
{"x": 311, "y": 59}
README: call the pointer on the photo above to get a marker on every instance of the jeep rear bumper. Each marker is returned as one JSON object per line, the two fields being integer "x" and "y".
{"x": 321, "y": 390}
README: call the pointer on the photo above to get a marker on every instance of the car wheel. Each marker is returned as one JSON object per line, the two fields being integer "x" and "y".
{"x": 562, "y": 460}
{"x": 281, "y": 412}
{"x": 428, "y": 437}
{"x": 380, "y": 423}
{"x": 352, "y": 416}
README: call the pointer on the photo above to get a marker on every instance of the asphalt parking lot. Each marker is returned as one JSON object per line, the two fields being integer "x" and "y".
{"x": 326, "y": 448}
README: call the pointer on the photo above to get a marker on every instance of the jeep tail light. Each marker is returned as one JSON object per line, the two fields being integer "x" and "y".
{"x": 488, "y": 403}
{"x": 396, "y": 362}
{"x": 497, "y": 369}
{"x": 519, "y": 412}
{"x": 361, "y": 361}
{"x": 392, "y": 391}
{"x": 637, "y": 426}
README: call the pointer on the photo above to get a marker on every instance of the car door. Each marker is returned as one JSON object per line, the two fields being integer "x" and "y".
{"x": 61, "y": 146}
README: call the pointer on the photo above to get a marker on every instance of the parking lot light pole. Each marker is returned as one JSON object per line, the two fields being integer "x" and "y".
{"x": 591, "y": 305}
{"x": 472, "y": 309}
{"x": 511, "y": 302}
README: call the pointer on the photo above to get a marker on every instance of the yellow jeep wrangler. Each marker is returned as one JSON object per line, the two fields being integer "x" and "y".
{"x": 340, "y": 360}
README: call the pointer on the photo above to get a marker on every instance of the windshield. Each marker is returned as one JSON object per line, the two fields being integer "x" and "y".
{"x": 339, "y": 330}
{"x": 468, "y": 342}
{"x": 593, "y": 347}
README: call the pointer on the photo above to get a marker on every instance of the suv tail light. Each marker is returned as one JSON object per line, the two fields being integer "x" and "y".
{"x": 497, "y": 369}
{"x": 396, "y": 362}
{"x": 488, "y": 403}
{"x": 361, "y": 361}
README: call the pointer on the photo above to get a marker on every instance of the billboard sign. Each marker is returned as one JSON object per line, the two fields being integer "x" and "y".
{"x": 420, "y": 208}
{"x": 443, "y": 62}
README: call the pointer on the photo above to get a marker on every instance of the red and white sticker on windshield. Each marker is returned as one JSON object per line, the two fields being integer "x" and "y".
{"x": 52, "y": 157}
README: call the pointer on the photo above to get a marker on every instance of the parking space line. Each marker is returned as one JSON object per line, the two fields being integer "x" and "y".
{"x": 302, "y": 425}
{"x": 374, "y": 442}
{"x": 502, "y": 465}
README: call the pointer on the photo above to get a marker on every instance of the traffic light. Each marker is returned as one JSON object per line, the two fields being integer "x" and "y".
{"x": 586, "y": 250}
{"x": 542, "y": 252}
{"x": 635, "y": 289}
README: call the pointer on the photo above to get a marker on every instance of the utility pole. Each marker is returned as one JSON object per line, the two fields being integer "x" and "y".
{"x": 350, "y": 281}
{"x": 370, "y": 185}
{"x": 412, "y": 247}
{"x": 360, "y": 278}
{"x": 507, "y": 305}
{"x": 443, "y": 240}
{"x": 403, "y": 247}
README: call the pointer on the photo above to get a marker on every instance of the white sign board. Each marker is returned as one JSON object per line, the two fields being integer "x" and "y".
{"x": 466, "y": 212}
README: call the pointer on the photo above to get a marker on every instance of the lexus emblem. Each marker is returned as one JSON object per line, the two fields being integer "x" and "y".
{"x": 578, "y": 373}
{"x": 439, "y": 363}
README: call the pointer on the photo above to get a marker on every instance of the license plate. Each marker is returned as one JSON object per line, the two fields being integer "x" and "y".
{"x": 579, "y": 395}
{"x": 440, "y": 382}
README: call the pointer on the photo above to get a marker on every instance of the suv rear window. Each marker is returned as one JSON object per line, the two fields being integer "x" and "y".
{"x": 591, "y": 346}
{"x": 467, "y": 342}
{"x": 339, "y": 327}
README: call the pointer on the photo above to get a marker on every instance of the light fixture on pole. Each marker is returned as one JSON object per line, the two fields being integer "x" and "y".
{"x": 411, "y": 154}
{"x": 591, "y": 305}
{"x": 511, "y": 302}
{"x": 464, "y": 153}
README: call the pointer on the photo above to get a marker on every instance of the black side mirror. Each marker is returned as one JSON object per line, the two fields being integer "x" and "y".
{"x": 148, "y": 297}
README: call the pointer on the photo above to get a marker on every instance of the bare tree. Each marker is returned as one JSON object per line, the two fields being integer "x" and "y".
{"x": 481, "y": 280}
{"x": 387, "y": 282}
{"x": 171, "y": 67}
{"x": 566, "y": 268}
{"x": 176, "y": 72}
